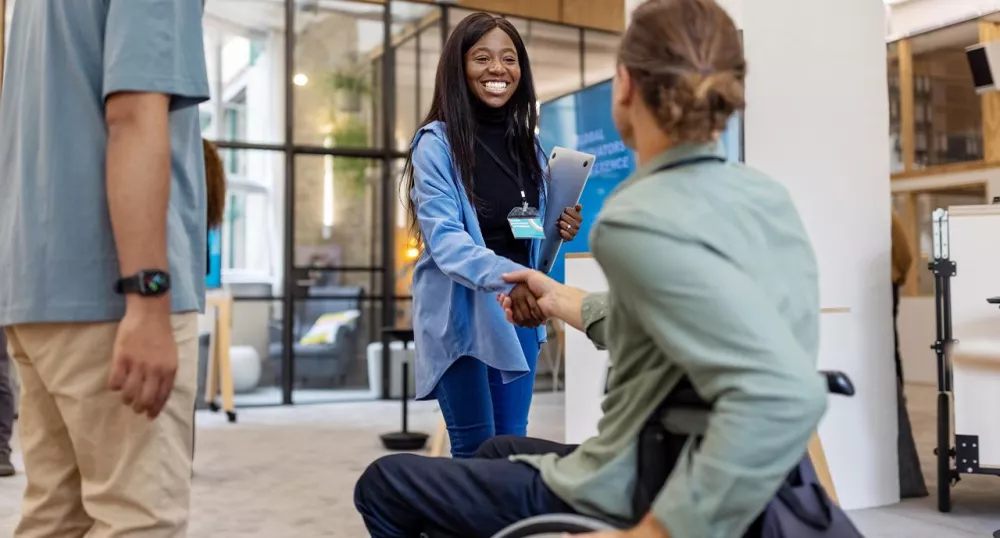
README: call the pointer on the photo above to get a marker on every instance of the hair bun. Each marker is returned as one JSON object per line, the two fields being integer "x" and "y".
{"x": 686, "y": 58}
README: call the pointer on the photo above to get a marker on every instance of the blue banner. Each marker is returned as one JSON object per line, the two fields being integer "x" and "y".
{"x": 582, "y": 121}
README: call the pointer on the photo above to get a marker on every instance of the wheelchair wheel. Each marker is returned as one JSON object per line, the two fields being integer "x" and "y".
{"x": 553, "y": 526}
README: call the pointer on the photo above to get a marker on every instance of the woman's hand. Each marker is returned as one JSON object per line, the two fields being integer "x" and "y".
{"x": 539, "y": 286}
{"x": 570, "y": 221}
{"x": 522, "y": 308}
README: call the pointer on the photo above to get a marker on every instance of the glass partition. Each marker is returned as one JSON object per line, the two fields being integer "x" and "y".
{"x": 947, "y": 111}
{"x": 600, "y": 56}
{"x": 555, "y": 54}
{"x": 244, "y": 53}
{"x": 316, "y": 245}
{"x": 333, "y": 77}
{"x": 896, "y": 163}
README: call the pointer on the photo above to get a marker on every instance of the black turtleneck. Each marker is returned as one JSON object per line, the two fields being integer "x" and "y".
{"x": 496, "y": 192}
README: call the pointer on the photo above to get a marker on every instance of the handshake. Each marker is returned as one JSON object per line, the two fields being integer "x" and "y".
{"x": 534, "y": 299}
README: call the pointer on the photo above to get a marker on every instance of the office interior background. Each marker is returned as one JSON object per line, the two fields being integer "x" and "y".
{"x": 314, "y": 103}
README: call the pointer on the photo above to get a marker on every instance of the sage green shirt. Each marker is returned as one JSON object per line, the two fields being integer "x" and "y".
{"x": 711, "y": 275}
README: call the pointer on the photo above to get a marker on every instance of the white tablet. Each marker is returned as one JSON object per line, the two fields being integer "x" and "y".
{"x": 568, "y": 173}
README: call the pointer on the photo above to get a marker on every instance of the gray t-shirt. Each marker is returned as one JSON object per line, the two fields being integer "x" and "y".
{"x": 58, "y": 260}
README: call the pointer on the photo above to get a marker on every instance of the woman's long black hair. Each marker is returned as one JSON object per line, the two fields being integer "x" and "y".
{"x": 452, "y": 105}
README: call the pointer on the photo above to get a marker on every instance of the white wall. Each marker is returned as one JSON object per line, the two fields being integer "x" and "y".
{"x": 586, "y": 366}
{"x": 818, "y": 121}
{"x": 918, "y": 16}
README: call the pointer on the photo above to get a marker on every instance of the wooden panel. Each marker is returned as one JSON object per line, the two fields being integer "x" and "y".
{"x": 818, "y": 457}
{"x": 974, "y": 166}
{"x": 600, "y": 14}
{"x": 908, "y": 217}
{"x": 907, "y": 122}
{"x": 546, "y": 10}
{"x": 608, "y": 15}
{"x": 989, "y": 31}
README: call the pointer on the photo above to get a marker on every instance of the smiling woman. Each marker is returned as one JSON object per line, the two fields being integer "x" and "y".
{"x": 492, "y": 70}
{"x": 474, "y": 176}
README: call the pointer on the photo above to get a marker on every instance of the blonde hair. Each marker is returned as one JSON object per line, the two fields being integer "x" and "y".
{"x": 686, "y": 58}
{"x": 215, "y": 182}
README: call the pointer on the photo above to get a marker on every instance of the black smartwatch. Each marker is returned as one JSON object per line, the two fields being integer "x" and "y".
{"x": 148, "y": 283}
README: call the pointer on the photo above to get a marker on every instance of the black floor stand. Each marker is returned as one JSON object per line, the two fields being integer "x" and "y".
{"x": 405, "y": 439}
{"x": 943, "y": 269}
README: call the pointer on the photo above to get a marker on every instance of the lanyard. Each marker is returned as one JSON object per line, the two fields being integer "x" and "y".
{"x": 688, "y": 162}
{"x": 506, "y": 169}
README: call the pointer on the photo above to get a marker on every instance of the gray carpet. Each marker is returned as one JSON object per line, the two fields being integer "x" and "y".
{"x": 290, "y": 472}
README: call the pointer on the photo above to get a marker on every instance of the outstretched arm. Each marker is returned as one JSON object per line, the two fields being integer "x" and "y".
{"x": 439, "y": 215}
{"x": 583, "y": 311}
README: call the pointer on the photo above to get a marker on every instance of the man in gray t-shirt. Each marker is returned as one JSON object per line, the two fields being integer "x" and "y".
{"x": 102, "y": 259}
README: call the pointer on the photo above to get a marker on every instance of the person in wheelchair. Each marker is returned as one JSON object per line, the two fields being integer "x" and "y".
{"x": 713, "y": 287}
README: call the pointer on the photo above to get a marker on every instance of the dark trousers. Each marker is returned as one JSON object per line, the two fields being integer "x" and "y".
{"x": 6, "y": 398}
{"x": 403, "y": 495}
{"x": 895, "y": 332}
{"x": 477, "y": 405}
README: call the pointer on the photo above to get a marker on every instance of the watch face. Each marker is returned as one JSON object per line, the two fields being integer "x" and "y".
{"x": 154, "y": 283}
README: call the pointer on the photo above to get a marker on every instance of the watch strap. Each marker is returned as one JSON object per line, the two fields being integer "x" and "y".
{"x": 131, "y": 284}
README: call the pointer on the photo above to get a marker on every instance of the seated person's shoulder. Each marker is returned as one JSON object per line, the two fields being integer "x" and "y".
{"x": 661, "y": 209}
{"x": 723, "y": 211}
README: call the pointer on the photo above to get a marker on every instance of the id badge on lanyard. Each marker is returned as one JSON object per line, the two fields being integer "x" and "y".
{"x": 525, "y": 222}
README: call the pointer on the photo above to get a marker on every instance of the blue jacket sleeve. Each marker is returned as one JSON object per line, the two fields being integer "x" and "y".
{"x": 438, "y": 204}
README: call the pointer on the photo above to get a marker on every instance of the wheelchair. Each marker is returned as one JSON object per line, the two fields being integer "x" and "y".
{"x": 555, "y": 525}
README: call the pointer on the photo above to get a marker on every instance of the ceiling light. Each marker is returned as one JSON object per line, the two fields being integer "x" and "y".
{"x": 300, "y": 79}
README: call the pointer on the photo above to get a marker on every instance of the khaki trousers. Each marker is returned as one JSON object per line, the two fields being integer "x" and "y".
{"x": 95, "y": 469}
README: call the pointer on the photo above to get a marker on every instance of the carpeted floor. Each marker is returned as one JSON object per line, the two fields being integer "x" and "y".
{"x": 290, "y": 472}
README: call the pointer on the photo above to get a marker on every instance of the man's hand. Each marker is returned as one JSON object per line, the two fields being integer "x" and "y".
{"x": 554, "y": 299}
{"x": 539, "y": 285}
{"x": 144, "y": 360}
{"x": 522, "y": 308}
{"x": 649, "y": 528}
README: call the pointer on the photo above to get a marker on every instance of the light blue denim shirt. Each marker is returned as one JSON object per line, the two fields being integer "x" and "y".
{"x": 456, "y": 279}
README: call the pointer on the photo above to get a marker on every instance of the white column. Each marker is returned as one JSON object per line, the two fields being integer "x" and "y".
{"x": 817, "y": 120}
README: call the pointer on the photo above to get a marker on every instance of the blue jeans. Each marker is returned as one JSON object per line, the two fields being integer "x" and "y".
{"x": 477, "y": 405}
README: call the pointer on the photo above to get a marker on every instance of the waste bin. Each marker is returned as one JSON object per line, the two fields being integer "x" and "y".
{"x": 397, "y": 354}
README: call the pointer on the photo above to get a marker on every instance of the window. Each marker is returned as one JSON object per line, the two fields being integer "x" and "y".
{"x": 7, "y": 12}
{"x": 334, "y": 78}
{"x": 337, "y": 212}
{"x": 947, "y": 108}
{"x": 252, "y": 224}
{"x": 244, "y": 54}
{"x": 417, "y": 38}
{"x": 554, "y": 51}
{"x": 600, "y": 56}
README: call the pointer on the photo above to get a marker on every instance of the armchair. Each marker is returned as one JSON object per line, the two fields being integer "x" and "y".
{"x": 326, "y": 364}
